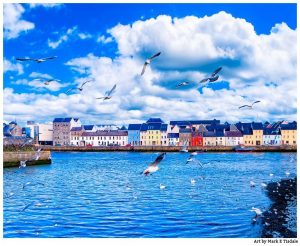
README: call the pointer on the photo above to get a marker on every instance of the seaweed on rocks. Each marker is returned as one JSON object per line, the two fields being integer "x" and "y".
{"x": 283, "y": 195}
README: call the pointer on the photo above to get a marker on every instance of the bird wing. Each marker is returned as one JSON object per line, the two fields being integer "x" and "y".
{"x": 86, "y": 82}
{"x": 212, "y": 79}
{"x": 100, "y": 97}
{"x": 144, "y": 68}
{"x": 156, "y": 55}
{"x": 245, "y": 106}
{"x": 204, "y": 80}
{"x": 70, "y": 90}
{"x": 216, "y": 71}
{"x": 112, "y": 90}
{"x": 255, "y": 102}
{"x": 158, "y": 159}
{"x": 24, "y": 59}
{"x": 48, "y": 58}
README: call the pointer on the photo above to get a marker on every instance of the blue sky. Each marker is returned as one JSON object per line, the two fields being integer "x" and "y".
{"x": 109, "y": 42}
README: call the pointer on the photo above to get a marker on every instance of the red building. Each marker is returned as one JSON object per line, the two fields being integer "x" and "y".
{"x": 197, "y": 139}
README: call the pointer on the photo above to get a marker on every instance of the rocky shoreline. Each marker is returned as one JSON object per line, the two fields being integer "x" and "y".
{"x": 280, "y": 220}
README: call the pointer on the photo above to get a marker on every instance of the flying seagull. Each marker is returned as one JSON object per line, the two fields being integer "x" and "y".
{"x": 213, "y": 77}
{"x": 108, "y": 94}
{"x": 153, "y": 167}
{"x": 38, "y": 60}
{"x": 47, "y": 82}
{"x": 79, "y": 88}
{"x": 249, "y": 106}
{"x": 148, "y": 61}
{"x": 182, "y": 84}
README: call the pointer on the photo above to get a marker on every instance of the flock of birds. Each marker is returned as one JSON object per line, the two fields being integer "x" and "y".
{"x": 108, "y": 94}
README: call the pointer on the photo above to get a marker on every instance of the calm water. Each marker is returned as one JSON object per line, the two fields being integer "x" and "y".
{"x": 104, "y": 195}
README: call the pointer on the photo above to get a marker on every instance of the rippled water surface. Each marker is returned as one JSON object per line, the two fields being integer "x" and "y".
{"x": 104, "y": 195}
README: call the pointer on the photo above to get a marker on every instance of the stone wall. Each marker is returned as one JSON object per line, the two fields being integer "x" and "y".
{"x": 12, "y": 159}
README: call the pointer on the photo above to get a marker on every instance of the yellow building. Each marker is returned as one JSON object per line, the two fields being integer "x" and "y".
{"x": 289, "y": 133}
{"x": 209, "y": 139}
{"x": 252, "y": 133}
{"x": 154, "y": 133}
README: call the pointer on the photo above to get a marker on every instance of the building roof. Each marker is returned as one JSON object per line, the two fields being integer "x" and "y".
{"x": 257, "y": 126}
{"x": 58, "y": 120}
{"x": 185, "y": 130}
{"x": 76, "y": 129}
{"x": 134, "y": 127}
{"x": 233, "y": 134}
{"x": 88, "y": 127}
{"x": 289, "y": 126}
{"x": 106, "y": 133}
{"x": 154, "y": 120}
{"x": 209, "y": 134}
{"x": 173, "y": 135}
{"x": 164, "y": 127}
{"x": 194, "y": 122}
{"x": 270, "y": 131}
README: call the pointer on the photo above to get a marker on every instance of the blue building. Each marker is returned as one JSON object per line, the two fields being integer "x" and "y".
{"x": 134, "y": 134}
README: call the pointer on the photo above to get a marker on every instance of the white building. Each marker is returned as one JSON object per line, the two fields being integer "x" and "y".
{"x": 101, "y": 138}
{"x": 41, "y": 133}
{"x": 272, "y": 139}
{"x": 173, "y": 139}
{"x": 233, "y": 138}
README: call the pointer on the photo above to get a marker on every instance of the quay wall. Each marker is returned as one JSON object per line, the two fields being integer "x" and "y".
{"x": 167, "y": 148}
{"x": 12, "y": 159}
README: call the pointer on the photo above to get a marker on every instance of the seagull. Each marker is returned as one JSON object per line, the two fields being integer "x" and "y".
{"x": 193, "y": 181}
{"x": 148, "y": 61}
{"x": 31, "y": 184}
{"x": 264, "y": 185}
{"x": 108, "y": 93}
{"x": 257, "y": 211}
{"x": 47, "y": 82}
{"x": 252, "y": 184}
{"x": 161, "y": 186}
{"x": 153, "y": 167}
{"x": 80, "y": 88}
{"x": 22, "y": 164}
{"x": 249, "y": 106}
{"x": 213, "y": 77}
{"x": 182, "y": 84}
{"x": 26, "y": 141}
{"x": 38, "y": 60}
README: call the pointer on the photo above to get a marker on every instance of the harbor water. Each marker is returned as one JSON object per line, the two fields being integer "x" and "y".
{"x": 104, "y": 194}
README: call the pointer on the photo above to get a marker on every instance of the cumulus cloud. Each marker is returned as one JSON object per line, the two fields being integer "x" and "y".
{"x": 12, "y": 67}
{"x": 104, "y": 40}
{"x": 12, "y": 20}
{"x": 63, "y": 38}
{"x": 45, "y": 5}
{"x": 255, "y": 67}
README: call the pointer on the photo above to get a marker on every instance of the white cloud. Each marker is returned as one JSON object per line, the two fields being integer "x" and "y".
{"x": 191, "y": 49}
{"x": 104, "y": 40}
{"x": 12, "y": 20}
{"x": 9, "y": 66}
{"x": 64, "y": 38}
{"x": 45, "y": 5}
{"x": 84, "y": 35}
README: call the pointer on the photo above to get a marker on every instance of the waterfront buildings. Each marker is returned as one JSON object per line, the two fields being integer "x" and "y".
{"x": 62, "y": 130}
{"x": 289, "y": 133}
{"x": 134, "y": 134}
{"x": 154, "y": 132}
